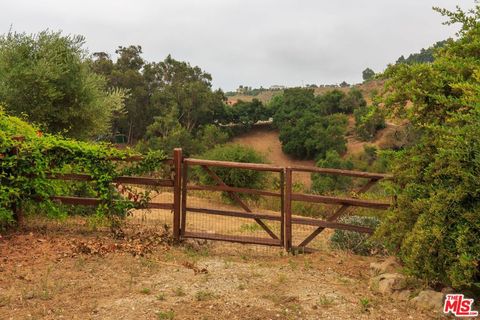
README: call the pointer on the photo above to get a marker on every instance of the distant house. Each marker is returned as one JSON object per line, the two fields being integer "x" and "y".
{"x": 277, "y": 87}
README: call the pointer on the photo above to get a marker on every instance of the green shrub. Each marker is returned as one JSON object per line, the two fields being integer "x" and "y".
{"x": 368, "y": 120}
{"x": 23, "y": 175}
{"x": 241, "y": 178}
{"x": 435, "y": 225}
{"x": 324, "y": 183}
{"x": 358, "y": 243}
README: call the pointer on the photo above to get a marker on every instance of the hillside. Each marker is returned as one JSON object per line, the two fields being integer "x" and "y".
{"x": 366, "y": 88}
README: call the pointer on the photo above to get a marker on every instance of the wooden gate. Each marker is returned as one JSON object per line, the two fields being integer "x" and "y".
{"x": 275, "y": 227}
{"x": 343, "y": 204}
{"x": 235, "y": 216}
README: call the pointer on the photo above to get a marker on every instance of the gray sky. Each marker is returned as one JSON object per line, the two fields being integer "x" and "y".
{"x": 254, "y": 43}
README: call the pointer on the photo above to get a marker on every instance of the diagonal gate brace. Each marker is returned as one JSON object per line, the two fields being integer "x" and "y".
{"x": 237, "y": 199}
{"x": 337, "y": 214}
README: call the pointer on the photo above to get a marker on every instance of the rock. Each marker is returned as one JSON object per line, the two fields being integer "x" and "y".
{"x": 429, "y": 299}
{"x": 448, "y": 290}
{"x": 403, "y": 295}
{"x": 389, "y": 265}
{"x": 388, "y": 282}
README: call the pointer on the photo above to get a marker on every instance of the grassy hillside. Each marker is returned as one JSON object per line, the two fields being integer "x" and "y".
{"x": 366, "y": 88}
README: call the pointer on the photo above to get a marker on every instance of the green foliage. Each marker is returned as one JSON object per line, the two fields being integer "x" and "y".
{"x": 309, "y": 125}
{"x": 312, "y": 136}
{"x": 368, "y": 120}
{"x": 157, "y": 89}
{"x": 324, "y": 183}
{"x": 358, "y": 243}
{"x": 46, "y": 78}
{"x": 247, "y": 114}
{"x": 368, "y": 74}
{"x": 166, "y": 133}
{"x": 435, "y": 225}
{"x": 424, "y": 56}
{"x": 23, "y": 176}
{"x": 241, "y": 178}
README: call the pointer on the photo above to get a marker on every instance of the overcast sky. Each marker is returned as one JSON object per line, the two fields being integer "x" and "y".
{"x": 254, "y": 43}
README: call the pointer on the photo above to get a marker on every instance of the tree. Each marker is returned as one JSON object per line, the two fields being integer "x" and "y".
{"x": 47, "y": 78}
{"x": 424, "y": 56}
{"x": 435, "y": 224}
{"x": 368, "y": 74}
{"x": 247, "y": 113}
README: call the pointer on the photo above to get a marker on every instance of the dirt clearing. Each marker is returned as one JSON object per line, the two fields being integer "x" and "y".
{"x": 46, "y": 273}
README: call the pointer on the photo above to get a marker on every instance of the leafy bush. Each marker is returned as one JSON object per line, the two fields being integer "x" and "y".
{"x": 435, "y": 225}
{"x": 47, "y": 78}
{"x": 368, "y": 120}
{"x": 241, "y": 178}
{"x": 324, "y": 183}
{"x": 358, "y": 243}
{"x": 310, "y": 126}
{"x": 312, "y": 136}
{"x": 23, "y": 175}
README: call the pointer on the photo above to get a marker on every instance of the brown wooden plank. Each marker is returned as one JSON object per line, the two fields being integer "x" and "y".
{"x": 234, "y": 189}
{"x": 288, "y": 209}
{"x": 138, "y": 159}
{"x": 236, "y": 165}
{"x": 331, "y": 225}
{"x": 122, "y": 179}
{"x": 238, "y": 214}
{"x": 177, "y": 189}
{"x": 341, "y": 172}
{"x": 233, "y": 238}
{"x": 237, "y": 199}
{"x": 337, "y": 214}
{"x": 183, "y": 224}
{"x": 282, "y": 206}
{"x": 96, "y": 202}
{"x": 338, "y": 200}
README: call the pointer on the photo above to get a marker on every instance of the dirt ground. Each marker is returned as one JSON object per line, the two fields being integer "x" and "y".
{"x": 265, "y": 141}
{"x": 67, "y": 271}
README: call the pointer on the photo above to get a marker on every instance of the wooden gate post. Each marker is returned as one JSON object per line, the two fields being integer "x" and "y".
{"x": 288, "y": 210}
{"x": 177, "y": 189}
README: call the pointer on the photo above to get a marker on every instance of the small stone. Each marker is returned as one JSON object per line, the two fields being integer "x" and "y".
{"x": 388, "y": 282}
{"x": 403, "y": 295}
{"x": 389, "y": 265}
{"x": 429, "y": 299}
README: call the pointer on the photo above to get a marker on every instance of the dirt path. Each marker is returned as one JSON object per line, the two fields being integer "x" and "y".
{"x": 43, "y": 276}
{"x": 265, "y": 140}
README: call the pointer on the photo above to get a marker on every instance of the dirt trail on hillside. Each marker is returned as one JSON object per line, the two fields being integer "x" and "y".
{"x": 265, "y": 140}
{"x": 355, "y": 146}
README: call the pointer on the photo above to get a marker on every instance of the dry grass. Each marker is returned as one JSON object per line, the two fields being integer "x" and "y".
{"x": 42, "y": 277}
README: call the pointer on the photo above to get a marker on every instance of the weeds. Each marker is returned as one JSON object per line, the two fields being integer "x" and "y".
{"x": 325, "y": 301}
{"x": 179, "y": 292}
{"x": 165, "y": 315}
{"x": 145, "y": 291}
{"x": 161, "y": 296}
{"x": 204, "y": 295}
{"x": 365, "y": 304}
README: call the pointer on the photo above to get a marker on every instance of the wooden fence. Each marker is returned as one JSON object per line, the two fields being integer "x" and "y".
{"x": 284, "y": 219}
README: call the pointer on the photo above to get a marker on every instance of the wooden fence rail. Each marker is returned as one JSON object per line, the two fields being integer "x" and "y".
{"x": 179, "y": 184}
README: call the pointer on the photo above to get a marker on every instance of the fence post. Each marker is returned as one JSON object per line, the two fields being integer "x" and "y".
{"x": 282, "y": 206}
{"x": 177, "y": 189}
{"x": 288, "y": 209}
{"x": 17, "y": 209}
{"x": 183, "y": 223}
